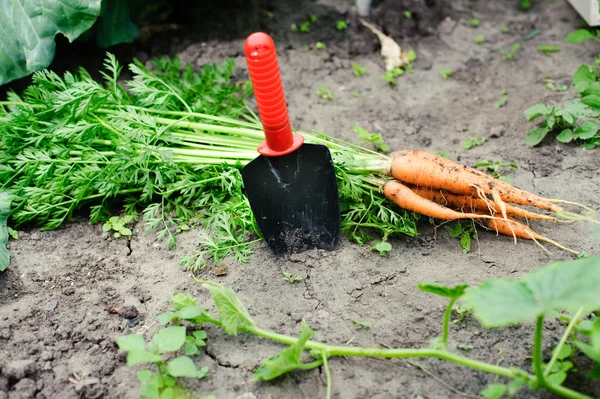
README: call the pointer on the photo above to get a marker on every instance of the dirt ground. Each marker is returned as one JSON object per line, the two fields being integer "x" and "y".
{"x": 57, "y": 339}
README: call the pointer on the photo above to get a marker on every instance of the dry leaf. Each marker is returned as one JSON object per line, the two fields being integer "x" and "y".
{"x": 393, "y": 56}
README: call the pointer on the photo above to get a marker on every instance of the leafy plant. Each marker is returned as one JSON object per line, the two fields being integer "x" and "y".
{"x": 357, "y": 70}
{"x": 548, "y": 49}
{"x": 320, "y": 45}
{"x": 291, "y": 278}
{"x": 553, "y": 85}
{"x": 341, "y": 25}
{"x": 362, "y": 324}
{"x": 165, "y": 352}
{"x": 505, "y": 29}
{"x": 383, "y": 247}
{"x": 27, "y": 37}
{"x": 473, "y": 142}
{"x": 465, "y": 231}
{"x": 305, "y": 26}
{"x": 355, "y": 94}
{"x": 576, "y": 121}
{"x": 510, "y": 54}
{"x": 407, "y": 14}
{"x": 474, "y": 22}
{"x": 568, "y": 286}
{"x": 119, "y": 226}
{"x": 502, "y": 102}
{"x": 5, "y": 200}
{"x": 581, "y": 35}
{"x": 325, "y": 93}
{"x": 525, "y": 4}
{"x": 446, "y": 73}
{"x": 479, "y": 39}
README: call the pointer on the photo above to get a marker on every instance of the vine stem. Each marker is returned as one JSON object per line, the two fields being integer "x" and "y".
{"x": 447, "y": 315}
{"x": 324, "y": 355}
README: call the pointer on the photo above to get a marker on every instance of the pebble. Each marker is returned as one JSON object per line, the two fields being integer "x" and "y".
{"x": 51, "y": 305}
{"x": 18, "y": 369}
{"x": 69, "y": 291}
{"x": 497, "y": 131}
{"x": 47, "y": 355}
{"x": 5, "y": 333}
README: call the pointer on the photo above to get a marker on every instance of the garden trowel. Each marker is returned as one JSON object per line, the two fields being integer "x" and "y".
{"x": 291, "y": 186}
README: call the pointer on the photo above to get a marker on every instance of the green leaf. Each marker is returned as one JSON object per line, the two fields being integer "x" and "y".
{"x": 190, "y": 312}
{"x": 106, "y": 227}
{"x": 589, "y": 350}
{"x": 593, "y": 100}
{"x": 565, "y": 352}
{"x": 587, "y": 130}
{"x": 567, "y": 285}
{"x": 201, "y": 374}
{"x": 28, "y": 28}
{"x": 125, "y": 231}
{"x": 465, "y": 242}
{"x": 514, "y": 386}
{"x": 566, "y": 136}
{"x": 113, "y": 219}
{"x": 535, "y": 111}
{"x": 454, "y": 230}
{"x": 165, "y": 318}
{"x": 232, "y": 311}
{"x": 362, "y": 324}
{"x": 287, "y": 360}
{"x": 449, "y": 292}
{"x": 115, "y": 25}
{"x": 169, "y": 339}
{"x": 557, "y": 378}
{"x": 151, "y": 384}
{"x": 191, "y": 349}
{"x": 182, "y": 366}
{"x": 142, "y": 356}
{"x": 583, "y": 78}
{"x": 580, "y": 35}
{"x": 383, "y": 247}
{"x": 5, "y": 201}
{"x": 493, "y": 391}
{"x": 535, "y": 136}
{"x": 131, "y": 342}
{"x": 14, "y": 234}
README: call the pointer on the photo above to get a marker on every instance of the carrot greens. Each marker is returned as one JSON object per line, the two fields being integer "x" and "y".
{"x": 170, "y": 141}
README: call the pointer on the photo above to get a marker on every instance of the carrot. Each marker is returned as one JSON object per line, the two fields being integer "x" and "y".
{"x": 462, "y": 202}
{"x": 406, "y": 198}
{"x": 431, "y": 171}
{"x": 511, "y": 227}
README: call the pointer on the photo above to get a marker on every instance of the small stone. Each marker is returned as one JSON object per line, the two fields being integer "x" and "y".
{"x": 47, "y": 366}
{"x": 69, "y": 291}
{"x": 5, "y": 333}
{"x": 47, "y": 355}
{"x": 25, "y": 388}
{"x": 86, "y": 382}
{"x": 51, "y": 305}
{"x": 497, "y": 132}
{"x": 409, "y": 130}
{"x": 298, "y": 258}
{"x": 460, "y": 127}
{"x": 322, "y": 314}
{"x": 18, "y": 369}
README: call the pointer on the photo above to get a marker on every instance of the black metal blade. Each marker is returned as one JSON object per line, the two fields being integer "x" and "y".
{"x": 295, "y": 199}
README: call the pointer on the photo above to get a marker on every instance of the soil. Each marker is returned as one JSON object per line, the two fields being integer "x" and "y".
{"x": 57, "y": 335}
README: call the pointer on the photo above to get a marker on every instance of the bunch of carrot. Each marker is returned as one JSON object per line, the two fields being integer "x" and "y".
{"x": 443, "y": 189}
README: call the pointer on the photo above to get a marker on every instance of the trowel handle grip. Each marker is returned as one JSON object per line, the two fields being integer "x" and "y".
{"x": 261, "y": 56}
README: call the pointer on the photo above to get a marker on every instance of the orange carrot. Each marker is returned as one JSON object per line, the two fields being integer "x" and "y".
{"x": 431, "y": 171}
{"x": 472, "y": 204}
{"x": 405, "y": 198}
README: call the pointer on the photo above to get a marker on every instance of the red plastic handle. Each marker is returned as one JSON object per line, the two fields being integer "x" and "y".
{"x": 261, "y": 57}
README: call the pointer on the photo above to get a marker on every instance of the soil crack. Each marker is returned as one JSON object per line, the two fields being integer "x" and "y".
{"x": 221, "y": 363}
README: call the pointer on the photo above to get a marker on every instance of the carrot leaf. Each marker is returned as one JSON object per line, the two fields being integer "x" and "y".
{"x": 5, "y": 201}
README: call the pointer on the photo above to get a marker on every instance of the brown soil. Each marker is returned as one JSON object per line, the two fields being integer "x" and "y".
{"x": 57, "y": 336}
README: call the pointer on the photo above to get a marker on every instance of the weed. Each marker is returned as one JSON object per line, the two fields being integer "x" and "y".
{"x": 294, "y": 28}
{"x": 505, "y": 29}
{"x": 325, "y": 93}
{"x": 495, "y": 169}
{"x": 355, "y": 94}
{"x": 502, "y": 102}
{"x": 479, "y": 39}
{"x": 446, "y": 73}
{"x": 368, "y": 137}
{"x": 320, "y": 45}
{"x": 548, "y": 49}
{"x": 582, "y": 35}
{"x": 305, "y": 26}
{"x": 313, "y": 18}
{"x": 341, "y": 25}
{"x": 407, "y": 14}
{"x": 119, "y": 226}
{"x": 473, "y": 142}
{"x": 525, "y": 4}
{"x": 509, "y": 55}
{"x": 474, "y": 22}
{"x": 464, "y": 347}
{"x": 291, "y": 278}
{"x": 14, "y": 234}
{"x": 357, "y": 70}
{"x": 362, "y": 324}
{"x": 383, "y": 247}
{"x": 465, "y": 231}
{"x": 390, "y": 76}
{"x": 553, "y": 85}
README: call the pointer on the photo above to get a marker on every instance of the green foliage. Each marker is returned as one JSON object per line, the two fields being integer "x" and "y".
{"x": 510, "y": 54}
{"x": 446, "y": 73}
{"x": 28, "y": 31}
{"x": 288, "y": 359}
{"x": 525, "y": 4}
{"x": 473, "y": 142}
{"x": 357, "y": 70}
{"x": 568, "y": 285}
{"x": 374, "y": 138}
{"x": 548, "y": 49}
{"x": 474, "y": 22}
{"x": 165, "y": 343}
{"x": 479, "y": 39}
{"x": 383, "y": 247}
{"x": 493, "y": 391}
{"x": 390, "y": 76}
{"x": 341, "y": 25}
{"x": 325, "y": 93}
{"x": 579, "y": 36}
{"x": 119, "y": 226}
{"x": 495, "y": 169}
{"x": 291, "y": 278}
{"x": 305, "y": 26}
{"x": 232, "y": 311}
{"x": 320, "y": 45}
{"x": 114, "y": 25}
{"x": 362, "y": 324}
{"x": 576, "y": 121}
{"x": 553, "y": 85}
{"x": 407, "y": 14}
{"x": 442, "y": 290}
{"x": 5, "y": 201}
